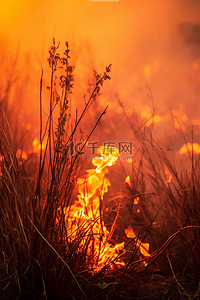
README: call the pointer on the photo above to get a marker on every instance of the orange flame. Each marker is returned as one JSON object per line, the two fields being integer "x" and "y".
{"x": 144, "y": 247}
{"x": 128, "y": 180}
{"x": 190, "y": 147}
{"x": 37, "y": 145}
{"x": 85, "y": 213}
{"x": 136, "y": 200}
{"x": 168, "y": 177}
{"x": 129, "y": 160}
{"x": 21, "y": 154}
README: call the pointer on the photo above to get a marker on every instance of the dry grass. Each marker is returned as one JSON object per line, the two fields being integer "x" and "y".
{"x": 36, "y": 255}
{"x": 172, "y": 209}
{"x": 38, "y": 258}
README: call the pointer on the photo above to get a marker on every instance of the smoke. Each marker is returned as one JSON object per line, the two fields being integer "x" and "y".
{"x": 147, "y": 41}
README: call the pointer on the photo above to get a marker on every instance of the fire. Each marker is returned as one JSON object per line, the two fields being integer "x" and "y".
{"x": 168, "y": 177}
{"x": 136, "y": 200}
{"x": 143, "y": 247}
{"x": 129, "y": 160}
{"x": 21, "y": 155}
{"x": 128, "y": 180}
{"x": 37, "y": 145}
{"x": 190, "y": 147}
{"x": 85, "y": 213}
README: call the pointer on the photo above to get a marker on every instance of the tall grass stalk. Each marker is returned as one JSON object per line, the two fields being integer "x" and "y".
{"x": 174, "y": 234}
{"x": 37, "y": 256}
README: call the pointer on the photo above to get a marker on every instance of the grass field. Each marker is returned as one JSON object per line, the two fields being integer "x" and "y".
{"x": 50, "y": 252}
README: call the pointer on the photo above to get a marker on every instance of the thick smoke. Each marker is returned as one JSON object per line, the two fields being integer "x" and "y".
{"x": 151, "y": 44}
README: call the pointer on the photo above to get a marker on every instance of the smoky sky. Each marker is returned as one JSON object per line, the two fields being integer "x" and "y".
{"x": 148, "y": 42}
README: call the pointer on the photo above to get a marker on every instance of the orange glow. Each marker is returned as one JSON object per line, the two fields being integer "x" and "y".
{"x": 144, "y": 247}
{"x": 150, "y": 70}
{"x": 180, "y": 119}
{"x": 21, "y": 154}
{"x": 128, "y": 180}
{"x": 190, "y": 147}
{"x": 28, "y": 126}
{"x": 146, "y": 114}
{"x": 129, "y": 160}
{"x": 147, "y": 72}
{"x": 107, "y": 130}
{"x": 37, "y": 146}
{"x": 136, "y": 200}
{"x": 168, "y": 177}
{"x": 10, "y": 11}
{"x": 137, "y": 38}
{"x": 85, "y": 214}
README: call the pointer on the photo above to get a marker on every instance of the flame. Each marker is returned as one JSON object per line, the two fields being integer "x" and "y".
{"x": 143, "y": 247}
{"x": 136, "y": 200}
{"x": 85, "y": 213}
{"x": 168, "y": 177}
{"x": 21, "y": 154}
{"x": 128, "y": 180}
{"x": 190, "y": 147}
{"x": 129, "y": 160}
{"x": 37, "y": 146}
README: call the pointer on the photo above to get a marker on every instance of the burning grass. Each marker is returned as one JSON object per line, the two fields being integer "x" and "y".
{"x": 58, "y": 238}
